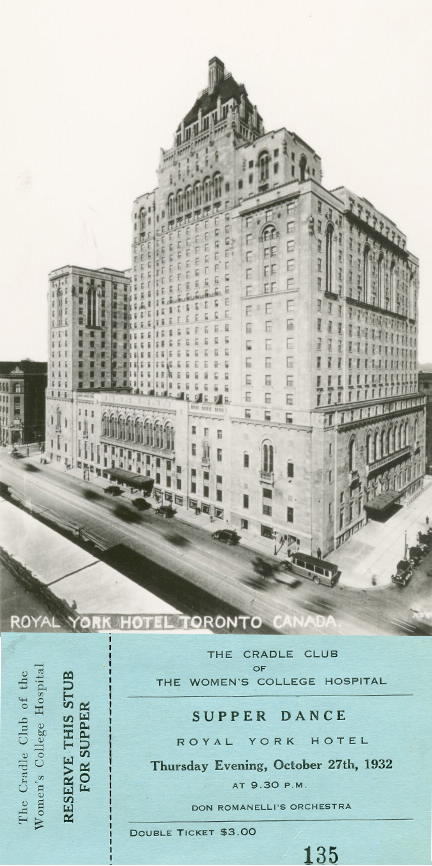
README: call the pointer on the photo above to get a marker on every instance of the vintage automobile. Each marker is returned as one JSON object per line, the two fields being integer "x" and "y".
{"x": 404, "y": 571}
{"x": 113, "y": 490}
{"x": 228, "y": 536}
{"x": 165, "y": 510}
{"x": 141, "y": 504}
{"x": 416, "y": 555}
{"x": 318, "y": 570}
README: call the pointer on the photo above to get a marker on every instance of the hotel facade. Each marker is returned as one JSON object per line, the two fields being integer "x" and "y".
{"x": 259, "y": 361}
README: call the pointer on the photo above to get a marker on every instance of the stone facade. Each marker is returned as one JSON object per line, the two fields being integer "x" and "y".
{"x": 272, "y": 337}
{"x": 22, "y": 401}
{"x": 425, "y": 388}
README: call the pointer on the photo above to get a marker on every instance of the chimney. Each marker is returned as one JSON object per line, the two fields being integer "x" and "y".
{"x": 216, "y": 73}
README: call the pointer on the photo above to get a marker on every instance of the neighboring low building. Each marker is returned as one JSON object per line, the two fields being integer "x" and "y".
{"x": 425, "y": 387}
{"x": 22, "y": 401}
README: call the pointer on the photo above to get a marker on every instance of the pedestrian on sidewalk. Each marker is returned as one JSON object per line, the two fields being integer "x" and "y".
{"x": 319, "y": 554}
{"x": 427, "y": 520}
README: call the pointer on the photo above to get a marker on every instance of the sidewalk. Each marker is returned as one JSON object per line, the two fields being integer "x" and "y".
{"x": 372, "y": 554}
{"x": 366, "y": 561}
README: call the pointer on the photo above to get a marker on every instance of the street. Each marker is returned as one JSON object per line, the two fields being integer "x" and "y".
{"x": 197, "y": 574}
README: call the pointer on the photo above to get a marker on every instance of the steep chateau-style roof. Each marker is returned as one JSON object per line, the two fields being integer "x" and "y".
{"x": 223, "y": 86}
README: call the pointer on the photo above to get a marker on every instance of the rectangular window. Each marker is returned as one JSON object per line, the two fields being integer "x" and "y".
{"x": 219, "y": 454}
{"x": 290, "y": 515}
{"x": 245, "y": 500}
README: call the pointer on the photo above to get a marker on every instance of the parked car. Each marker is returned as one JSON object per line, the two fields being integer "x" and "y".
{"x": 166, "y": 510}
{"x": 141, "y": 504}
{"x": 113, "y": 490}
{"x": 404, "y": 571}
{"x": 416, "y": 555}
{"x": 228, "y": 536}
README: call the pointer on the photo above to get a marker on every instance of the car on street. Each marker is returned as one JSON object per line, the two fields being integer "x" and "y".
{"x": 404, "y": 572}
{"x": 165, "y": 510}
{"x": 141, "y": 504}
{"x": 113, "y": 490}
{"x": 228, "y": 536}
{"x": 285, "y": 574}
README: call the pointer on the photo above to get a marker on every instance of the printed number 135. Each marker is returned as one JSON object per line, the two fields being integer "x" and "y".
{"x": 322, "y": 855}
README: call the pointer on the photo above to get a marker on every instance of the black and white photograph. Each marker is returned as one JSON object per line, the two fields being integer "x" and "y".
{"x": 215, "y": 351}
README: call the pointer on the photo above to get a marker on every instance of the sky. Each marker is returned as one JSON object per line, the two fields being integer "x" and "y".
{"x": 90, "y": 90}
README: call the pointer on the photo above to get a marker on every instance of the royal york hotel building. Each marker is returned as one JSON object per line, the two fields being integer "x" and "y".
{"x": 259, "y": 361}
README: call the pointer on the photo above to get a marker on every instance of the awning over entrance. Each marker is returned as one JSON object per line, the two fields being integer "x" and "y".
{"x": 140, "y": 482}
{"x": 382, "y": 503}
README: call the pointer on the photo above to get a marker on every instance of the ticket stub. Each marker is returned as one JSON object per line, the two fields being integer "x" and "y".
{"x": 233, "y": 750}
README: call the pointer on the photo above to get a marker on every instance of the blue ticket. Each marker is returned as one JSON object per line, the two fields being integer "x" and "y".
{"x": 215, "y": 750}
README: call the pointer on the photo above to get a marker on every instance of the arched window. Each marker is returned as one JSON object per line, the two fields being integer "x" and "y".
{"x": 366, "y": 273}
{"x": 217, "y": 185}
{"x": 207, "y": 190}
{"x": 352, "y": 455}
{"x": 171, "y": 206}
{"x": 197, "y": 194}
{"x": 269, "y": 259}
{"x": 407, "y": 436}
{"x": 188, "y": 198}
{"x": 113, "y": 427}
{"x": 377, "y": 452}
{"x": 142, "y": 218}
{"x": 329, "y": 257}
{"x": 416, "y": 431}
{"x": 369, "y": 457}
{"x": 397, "y": 438}
{"x": 147, "y": 433}
{"x": 121, "y": 427}
{"x": 59, "y": 308}
{"x": 263, "y": 166}
{"x": 129, "y": 429}
{"x": 290, "y": 469}
{"x": 157, "y": 435}
{"x": 392, "y": 285}
{"x": 383, "y": 444}
{"x": 379, "y": 279}
{"x": 92, "y": 308}
{"x": 267, "y": 457}
{"x": 169, "y": 437}
{"x": 138, "y": 431}
{"x": 411, "y": 298}
{"x": 303, "y": 163}
{"x": 104, "y": 425}
{"x": 179, "y": 201}
{"x": 389, "y": 441}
